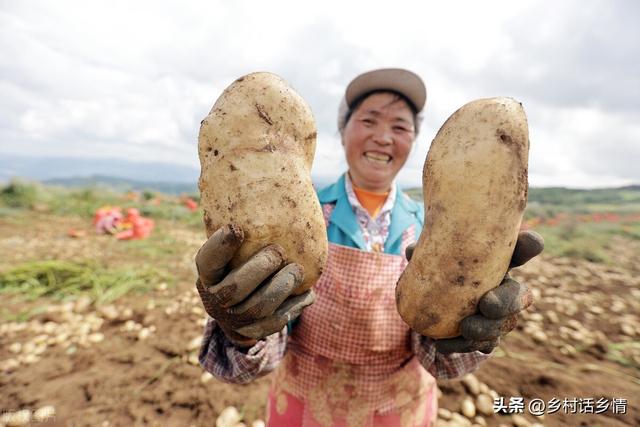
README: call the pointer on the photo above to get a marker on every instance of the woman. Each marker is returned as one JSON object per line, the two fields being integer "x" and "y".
{"x": 350, "y": 360}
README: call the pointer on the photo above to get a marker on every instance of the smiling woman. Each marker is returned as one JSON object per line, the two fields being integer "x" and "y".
{"x": 348, "y": 359}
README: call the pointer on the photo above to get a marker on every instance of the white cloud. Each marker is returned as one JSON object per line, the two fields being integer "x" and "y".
{"x": 134, "y": 79}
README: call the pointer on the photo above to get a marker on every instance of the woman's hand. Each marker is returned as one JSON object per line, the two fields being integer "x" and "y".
{"x": 498, "y": 308}
{"x": 254, "y": 300}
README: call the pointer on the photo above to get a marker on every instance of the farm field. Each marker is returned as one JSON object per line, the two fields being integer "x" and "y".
{"x": 106, "y": 331}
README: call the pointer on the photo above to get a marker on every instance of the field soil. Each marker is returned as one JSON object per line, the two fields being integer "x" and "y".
{"x": 133, "y": 361}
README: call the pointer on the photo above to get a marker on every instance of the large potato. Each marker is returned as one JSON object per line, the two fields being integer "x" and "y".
{"x": 475, "y": 192}
{"x": 256, "y": 148}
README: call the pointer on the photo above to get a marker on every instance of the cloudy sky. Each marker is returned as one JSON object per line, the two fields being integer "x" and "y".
{"x": 133, "y": 80}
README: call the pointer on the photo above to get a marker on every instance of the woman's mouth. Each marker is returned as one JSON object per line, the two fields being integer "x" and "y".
{"x": 378, "y": 158}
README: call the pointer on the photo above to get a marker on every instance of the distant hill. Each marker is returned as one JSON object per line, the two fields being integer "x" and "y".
{"x": 124, "y": 184}
{"x": 568, "y": 196}
{"x": 175, "y": 179}
{"x": 121, "y": 174}
{"x": 46, "y": 168}
{"x": 561, "y": 196}
{"x": 631, "y": 187}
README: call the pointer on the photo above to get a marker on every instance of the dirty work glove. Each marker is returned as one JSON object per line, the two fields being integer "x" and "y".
{"x": 254, "y": 300}
{"x": 498, "y": 308}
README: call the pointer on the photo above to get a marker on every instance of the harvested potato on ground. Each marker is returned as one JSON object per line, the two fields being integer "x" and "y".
{"x": 256, "y": 148}
{"x": 475, "y": 193}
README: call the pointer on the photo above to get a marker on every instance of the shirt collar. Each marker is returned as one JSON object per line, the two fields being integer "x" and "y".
{"x": 353, "y": 199}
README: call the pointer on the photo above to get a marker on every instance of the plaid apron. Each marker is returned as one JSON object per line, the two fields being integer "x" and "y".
{"x": 349, "y": 360}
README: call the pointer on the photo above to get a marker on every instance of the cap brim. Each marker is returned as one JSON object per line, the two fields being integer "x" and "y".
{"x": 394, "y": 79}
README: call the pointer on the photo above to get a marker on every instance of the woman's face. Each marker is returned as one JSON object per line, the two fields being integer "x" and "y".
{"x": 377, "y": 141}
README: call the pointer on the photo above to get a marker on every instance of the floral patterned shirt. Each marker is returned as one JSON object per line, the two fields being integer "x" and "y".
{"x": 374, "y": 230}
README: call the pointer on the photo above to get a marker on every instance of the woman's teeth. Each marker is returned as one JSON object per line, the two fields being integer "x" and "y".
{"x": 378, "y": 157}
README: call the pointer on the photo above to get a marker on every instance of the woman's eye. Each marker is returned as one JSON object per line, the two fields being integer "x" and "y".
{"x": 367, "y": 121}
{"x": 400, "y": 129}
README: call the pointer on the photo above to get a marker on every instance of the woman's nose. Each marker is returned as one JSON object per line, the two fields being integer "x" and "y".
{"x": 383, "y": 135}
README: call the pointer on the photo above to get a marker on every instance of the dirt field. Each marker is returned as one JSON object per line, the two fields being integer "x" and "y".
{"x": 133, "y": 362}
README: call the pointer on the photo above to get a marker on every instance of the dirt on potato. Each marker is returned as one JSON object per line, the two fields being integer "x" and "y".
{"x": 133, "y": 361}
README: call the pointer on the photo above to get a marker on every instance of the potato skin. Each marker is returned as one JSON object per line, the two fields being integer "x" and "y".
{"x": 256, "y": 148}
{"x": 475, "y": 193}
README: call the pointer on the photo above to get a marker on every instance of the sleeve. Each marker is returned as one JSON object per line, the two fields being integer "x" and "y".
{"x": 239, "y": 366}
{"x": 444, "y": 366}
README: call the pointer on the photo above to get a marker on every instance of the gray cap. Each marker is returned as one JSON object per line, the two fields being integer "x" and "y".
{"x": 394, "y": 79}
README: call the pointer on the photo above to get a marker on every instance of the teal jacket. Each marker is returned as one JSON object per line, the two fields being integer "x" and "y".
{"x": 344, "y": 229}
{"x": 343, "y": 226}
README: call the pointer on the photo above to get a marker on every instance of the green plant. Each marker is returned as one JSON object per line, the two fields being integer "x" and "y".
{"x": 621, "y": 353}
{"x": 20, "y": 194}
{"x": 62, "y": 279}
